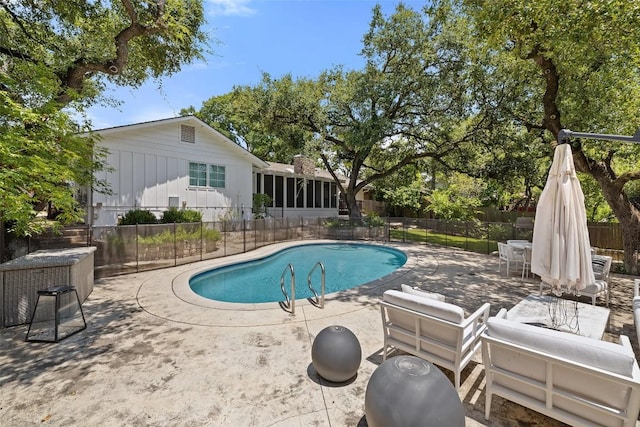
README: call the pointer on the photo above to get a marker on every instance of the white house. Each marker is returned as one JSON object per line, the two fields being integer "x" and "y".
{"x": 183, "y": 162}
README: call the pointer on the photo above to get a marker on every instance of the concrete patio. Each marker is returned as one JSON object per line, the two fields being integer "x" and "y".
{"x": 155, "y": 354}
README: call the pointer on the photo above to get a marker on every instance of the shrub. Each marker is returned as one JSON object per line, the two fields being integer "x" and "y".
{"x": 373, "y": 220}
{"x": 138, "y": 216}
{"x": 180, "y": 215}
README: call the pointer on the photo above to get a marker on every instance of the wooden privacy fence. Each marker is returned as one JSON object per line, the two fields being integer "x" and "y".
{"x": 133, "y": 248}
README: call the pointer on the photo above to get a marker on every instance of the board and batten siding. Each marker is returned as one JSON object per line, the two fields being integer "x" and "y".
{"x": 149, "y": 166}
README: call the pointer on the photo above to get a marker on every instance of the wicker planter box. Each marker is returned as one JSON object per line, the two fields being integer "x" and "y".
{"x": 22, "y": 278}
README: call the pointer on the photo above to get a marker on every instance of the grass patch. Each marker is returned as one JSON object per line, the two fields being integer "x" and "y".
{"x": 482, "y": 246}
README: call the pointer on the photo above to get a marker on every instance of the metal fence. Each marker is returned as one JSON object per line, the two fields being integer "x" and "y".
{"x": 135, "y": 248}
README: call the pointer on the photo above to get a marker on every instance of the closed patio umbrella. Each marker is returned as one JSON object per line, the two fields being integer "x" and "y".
{"x": 561, "y": 250}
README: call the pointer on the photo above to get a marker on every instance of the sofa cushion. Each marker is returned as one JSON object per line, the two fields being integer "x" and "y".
{"x": 594, "y": 288}
{"x": 431, "y": 307}
{"x": 414, "y": 291}
{"x": 600, "y": 354}
{"x": 636, "y": 315}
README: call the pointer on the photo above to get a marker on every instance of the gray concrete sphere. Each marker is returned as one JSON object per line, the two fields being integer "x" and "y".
{"x": 406, "y": 391}
{"x": 336, "y": 354}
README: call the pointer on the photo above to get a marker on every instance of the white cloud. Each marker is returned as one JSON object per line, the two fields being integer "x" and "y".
{"x": 229, "y": 7}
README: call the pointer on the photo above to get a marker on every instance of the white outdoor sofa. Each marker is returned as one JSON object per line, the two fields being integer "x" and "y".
{"x": 424, "y": 325}
{"x": 636, "y": 306}
{"x": 577, "y": 380}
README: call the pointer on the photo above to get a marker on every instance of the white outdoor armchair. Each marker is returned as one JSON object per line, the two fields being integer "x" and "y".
{"x": 513, "y": 258}
{"x": 601, "y": 268}
{"x": 432, "y": 330}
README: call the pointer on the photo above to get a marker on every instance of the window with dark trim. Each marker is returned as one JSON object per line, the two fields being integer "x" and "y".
{"x": 291, "y": 192}
{"x": 318, "y": 194}
{"x": 310, "y": 193}
{"x": 325, "y": 195}
{"x": 279, "y": 191}
{"x": 334, "y": 192}
{"x": 299, "y": 193}
{"x": 268, "y": 187}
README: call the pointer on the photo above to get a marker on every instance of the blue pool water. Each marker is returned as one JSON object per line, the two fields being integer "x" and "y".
{"x": 347, "y": 265}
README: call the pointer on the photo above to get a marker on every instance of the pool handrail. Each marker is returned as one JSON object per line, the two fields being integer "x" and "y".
{"x": 320, "y": 300}
{"x": 290, "y": 302}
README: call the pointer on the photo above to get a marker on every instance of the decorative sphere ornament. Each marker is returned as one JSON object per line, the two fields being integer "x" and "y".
{"x": 336, "y": 354}
{"x": 406, "y": 391}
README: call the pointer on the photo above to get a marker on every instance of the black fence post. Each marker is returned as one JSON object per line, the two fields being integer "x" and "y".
{"x": 223, "y": 227}
{"x": 175, "y": 245}
{"x": 137, "y": 250}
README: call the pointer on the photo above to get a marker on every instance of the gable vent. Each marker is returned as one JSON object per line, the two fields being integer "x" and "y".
{"x": 187, "y": 133}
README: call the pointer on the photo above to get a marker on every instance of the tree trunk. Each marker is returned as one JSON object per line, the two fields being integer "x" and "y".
{"x": 629, "y": 218}
{"x": 626, "y": 213}
{"x": 352, "y": 205}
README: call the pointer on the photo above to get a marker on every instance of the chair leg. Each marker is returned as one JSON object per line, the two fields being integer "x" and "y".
{"x": 487, "y": 405}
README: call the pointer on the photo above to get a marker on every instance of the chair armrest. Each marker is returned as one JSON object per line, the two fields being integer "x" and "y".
{"x": 624, "y": 341}
{"x": 502, "y": 313}
{"x": 481, "y": 314}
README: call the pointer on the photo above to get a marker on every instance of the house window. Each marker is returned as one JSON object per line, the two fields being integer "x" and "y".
{"x": 334, "y": 198}
{"x": 216, "y": 176}
{"x": 268, "y": 187}
{"x": 203, "y": 175}
{"x": 310, "y": 193}
{"x": 197, "y": 174}
{"x": 291, "y": 192}
{"x": 318, "y": 194}
{"x": 279, "y": 191}
{"x": 187, "y": 133}
{"x": 299, "y": 193}
{"x": 325, "y": 195}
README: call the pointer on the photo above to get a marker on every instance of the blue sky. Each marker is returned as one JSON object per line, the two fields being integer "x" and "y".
{"x": 301, "y": 37}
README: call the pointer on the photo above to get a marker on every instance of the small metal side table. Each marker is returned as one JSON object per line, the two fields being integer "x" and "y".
{"x": 57, "y": 315}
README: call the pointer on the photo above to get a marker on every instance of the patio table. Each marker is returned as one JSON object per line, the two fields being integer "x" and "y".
{"x": 591, "y": 321}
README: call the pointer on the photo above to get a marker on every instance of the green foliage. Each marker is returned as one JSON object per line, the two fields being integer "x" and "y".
{"x": 373, "y": 220}
{"x": 399, "y": 193}
{"x": 570, "y": 65}
{"x": 55, "y": 60}
{"x": 482, "y": 246}
{"x": 232, "y": 115}
{"x": 182, "y": 234}
{"x": 446, "y": 205}
{"x": 406, "y": 104}
{"x": 41, "y": 154}
{"x": 138, "y": 216}
{"x": 180, "y": 215}
{"x": 260, "y": 204}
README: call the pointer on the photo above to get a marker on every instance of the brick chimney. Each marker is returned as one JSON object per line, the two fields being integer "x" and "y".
{"x": 303, "y": 165}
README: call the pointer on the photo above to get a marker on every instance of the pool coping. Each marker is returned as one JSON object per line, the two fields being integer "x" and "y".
{"x": 171, "y": 297}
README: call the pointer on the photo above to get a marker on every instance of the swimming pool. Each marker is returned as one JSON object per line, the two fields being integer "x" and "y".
{"x": 347, "y": 265}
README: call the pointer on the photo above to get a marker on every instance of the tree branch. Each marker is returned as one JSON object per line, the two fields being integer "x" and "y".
{"x": 73, "y": 77}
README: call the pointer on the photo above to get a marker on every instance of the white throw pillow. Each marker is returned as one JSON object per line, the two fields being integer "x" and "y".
{"x": 415, "y": 291}
{"x": 431, "y": 307}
